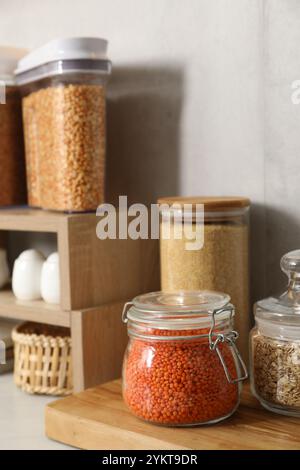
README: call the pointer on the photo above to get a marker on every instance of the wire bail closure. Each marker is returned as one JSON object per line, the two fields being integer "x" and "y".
{"x": 214, "y": 339}
{"x": 125, "y": 310}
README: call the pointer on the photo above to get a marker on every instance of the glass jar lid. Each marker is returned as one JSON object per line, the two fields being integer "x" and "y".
{"x": 179, "y": 310}
{"x": 284, "y": 308}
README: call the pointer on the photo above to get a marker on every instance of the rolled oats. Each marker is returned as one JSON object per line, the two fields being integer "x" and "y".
{"x": 276, "y": 370}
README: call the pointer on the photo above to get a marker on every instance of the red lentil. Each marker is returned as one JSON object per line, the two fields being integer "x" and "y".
{"x": 178, "y": 382}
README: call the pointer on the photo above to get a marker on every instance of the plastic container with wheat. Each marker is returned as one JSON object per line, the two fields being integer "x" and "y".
{"x": 63, "y": 88}
{"x": 12, "y": 164}
{"x": 221, "y": 263}
{"x": 181, "y": 366}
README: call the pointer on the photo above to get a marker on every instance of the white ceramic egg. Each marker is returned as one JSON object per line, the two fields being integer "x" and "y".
{"x": 50, "y": 280}
{"x": 26, "y": 278}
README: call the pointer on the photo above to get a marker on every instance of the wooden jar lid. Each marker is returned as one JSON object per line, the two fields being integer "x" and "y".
{"x": 211, "y": 203}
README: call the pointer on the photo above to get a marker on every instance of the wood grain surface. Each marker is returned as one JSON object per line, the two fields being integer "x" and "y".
{"x": 98, "y": 419}
{"x": 210, "y": 203}
{"x": 93, "y": 272}
{"x": 99, "y": 340}
{"x": 32, "y": 220}
{"x": 104, "y": 271}
{"x": 32, "y": 310}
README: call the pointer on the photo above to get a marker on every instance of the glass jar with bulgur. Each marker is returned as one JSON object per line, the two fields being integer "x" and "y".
{"x": 63, "y": 100}
{"x": 275, "y": 345}
{"x": 181, "y": 366}
{"x": 204, "y": 245}
{"x": 12, "y": 165}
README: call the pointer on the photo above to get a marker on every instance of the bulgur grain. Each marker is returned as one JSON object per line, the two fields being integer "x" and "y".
{"x": 221, "y": 265}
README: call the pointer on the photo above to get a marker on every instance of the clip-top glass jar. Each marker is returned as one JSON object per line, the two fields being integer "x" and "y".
{"x": 181, "y": 366}
{"x": 275, "y": 345}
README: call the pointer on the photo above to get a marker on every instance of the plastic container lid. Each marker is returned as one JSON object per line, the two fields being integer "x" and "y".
{"x": 9, "y": 57}
{"x": 67, "y": 55}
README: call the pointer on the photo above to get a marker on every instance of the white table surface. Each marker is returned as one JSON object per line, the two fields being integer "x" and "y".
{"x": 22, "y": 419}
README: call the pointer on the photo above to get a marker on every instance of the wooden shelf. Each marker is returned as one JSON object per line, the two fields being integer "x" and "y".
{"x": 98, "y": 419}
{"x": 96, "y": 276}
{"x": 94, "y": 271}
{"x": 36, "y": 310}
{"x": 31, "y": 220}
{"x": 37, "y": 220}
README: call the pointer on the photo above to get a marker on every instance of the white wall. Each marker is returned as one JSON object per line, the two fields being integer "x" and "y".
{"x": 198, "y": 101}
{"x": 282, "y": 133}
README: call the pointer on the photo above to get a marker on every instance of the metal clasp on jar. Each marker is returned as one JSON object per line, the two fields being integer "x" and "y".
{"x": 125, "y": 310}
{"x": 215, "y": 338}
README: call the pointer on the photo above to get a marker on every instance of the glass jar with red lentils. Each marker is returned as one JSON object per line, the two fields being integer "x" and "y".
{"x": 181, "y": 366}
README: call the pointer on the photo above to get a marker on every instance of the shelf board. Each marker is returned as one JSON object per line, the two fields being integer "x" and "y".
{"x": 37, "y": 220}
{"x": 32, "y": 220}
{"x": 34, "y": 310}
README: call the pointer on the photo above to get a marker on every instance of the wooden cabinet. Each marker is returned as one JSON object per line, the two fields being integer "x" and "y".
{"x": 97, "y": 277}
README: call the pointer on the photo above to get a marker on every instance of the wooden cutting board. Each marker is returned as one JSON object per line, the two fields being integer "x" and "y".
{"x": 98, "y": 419}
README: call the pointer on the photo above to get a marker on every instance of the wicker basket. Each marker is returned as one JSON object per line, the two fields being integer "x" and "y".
{"x": 43, "y": 362}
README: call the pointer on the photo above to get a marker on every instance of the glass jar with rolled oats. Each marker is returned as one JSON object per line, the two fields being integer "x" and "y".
{"x": 63, "y": 99}
{"x": 275, "y": 345}
{"x": 12, "y": 165}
